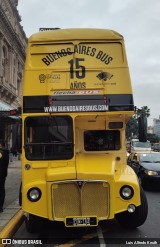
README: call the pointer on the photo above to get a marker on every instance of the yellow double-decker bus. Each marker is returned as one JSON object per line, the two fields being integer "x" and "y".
{"x": 77, "y": 99}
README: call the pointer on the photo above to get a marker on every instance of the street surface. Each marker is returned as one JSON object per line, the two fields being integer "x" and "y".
{"x": 57, "y": 234}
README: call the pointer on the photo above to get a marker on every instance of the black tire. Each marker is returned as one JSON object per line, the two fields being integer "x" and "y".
{"x": 143, "y": 183}
{"x": 33, "y": 223}
{"x": 136, "y": 219}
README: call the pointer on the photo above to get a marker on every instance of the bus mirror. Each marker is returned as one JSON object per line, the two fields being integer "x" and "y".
{"x": 142, "y": 128}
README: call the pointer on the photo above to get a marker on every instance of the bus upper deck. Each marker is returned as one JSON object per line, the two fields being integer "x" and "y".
{"x": 77, "y": 70}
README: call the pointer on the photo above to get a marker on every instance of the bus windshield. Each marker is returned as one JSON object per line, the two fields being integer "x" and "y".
{"x": 49, "y": 138}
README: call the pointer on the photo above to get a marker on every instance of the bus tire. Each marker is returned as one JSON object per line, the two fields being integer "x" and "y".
{"x": 136, "y": 219}
{"x": 33, "y": 223}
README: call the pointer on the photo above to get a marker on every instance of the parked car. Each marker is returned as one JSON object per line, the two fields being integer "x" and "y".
{"x": 136, "y": 146}
{"x": 147, "y": 167}
{"x": 156, "y": 147}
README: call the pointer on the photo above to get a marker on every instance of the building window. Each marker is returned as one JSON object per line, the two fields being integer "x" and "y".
{"x": 19, "y": 88}
{"x": 5, "y": 63}
{"x": 14, "y": 71}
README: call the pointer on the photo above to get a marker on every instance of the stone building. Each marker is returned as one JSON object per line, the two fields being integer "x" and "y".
{"x": 13, "y": 43}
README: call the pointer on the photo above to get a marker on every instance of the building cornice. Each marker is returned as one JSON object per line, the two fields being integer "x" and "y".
{"x": 12, "y": 35}
{"x": 15, "y": 10}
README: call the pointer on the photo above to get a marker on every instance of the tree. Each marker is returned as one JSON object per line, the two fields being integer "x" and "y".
{"x": 145, "y": 111}
{"x": 153, "y": 138}
{"x": 132, "y": 125}
{"x": 131, "y": 128}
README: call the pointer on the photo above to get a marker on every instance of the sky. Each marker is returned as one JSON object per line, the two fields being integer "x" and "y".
{"x": 137, "y": 20}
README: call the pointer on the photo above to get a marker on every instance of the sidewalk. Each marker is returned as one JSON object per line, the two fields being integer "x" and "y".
{"x": 8, "y": 213}
{"x": 11, "y": 205}
{"x": 15, "y": 163}
{"x": 13, "y": 182}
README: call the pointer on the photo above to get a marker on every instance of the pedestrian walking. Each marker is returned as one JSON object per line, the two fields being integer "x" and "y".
{"x": 4, "y": 161}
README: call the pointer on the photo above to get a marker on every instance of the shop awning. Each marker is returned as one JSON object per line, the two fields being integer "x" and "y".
{"x": 5, "y": 115}
{"x": 5, "y": 107}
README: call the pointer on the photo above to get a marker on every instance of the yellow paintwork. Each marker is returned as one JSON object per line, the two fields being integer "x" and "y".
{"x": 87, "y": 168}
{"x": 115, "y": 85}
{"x": 42, "y": 79}
{"x": 74, "y": 34}
{"x": 57, "y": 72}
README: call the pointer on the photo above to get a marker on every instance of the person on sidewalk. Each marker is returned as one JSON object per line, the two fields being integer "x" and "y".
{"x": 4, "y": 161}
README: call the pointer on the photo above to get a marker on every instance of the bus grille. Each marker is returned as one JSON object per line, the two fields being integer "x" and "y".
{"x": 80, "y": 198}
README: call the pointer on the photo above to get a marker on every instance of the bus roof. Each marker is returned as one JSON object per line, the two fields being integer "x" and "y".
{"x": 75, "y": 34}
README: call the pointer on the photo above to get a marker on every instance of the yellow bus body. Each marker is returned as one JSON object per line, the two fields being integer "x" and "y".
{"x": 81, "y": 74}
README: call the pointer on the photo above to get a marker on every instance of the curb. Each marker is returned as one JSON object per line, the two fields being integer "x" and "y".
{"x": 12, "y": 226}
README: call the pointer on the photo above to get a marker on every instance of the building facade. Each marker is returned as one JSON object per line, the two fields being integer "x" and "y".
{"x": 13, "y": 43}
{"x": 156, "y": 126}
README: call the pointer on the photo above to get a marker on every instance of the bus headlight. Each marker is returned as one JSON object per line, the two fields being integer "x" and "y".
{"x": 34, "y": 194}
{"x": 126, "y": 192}
{"x": 131, "y": 208}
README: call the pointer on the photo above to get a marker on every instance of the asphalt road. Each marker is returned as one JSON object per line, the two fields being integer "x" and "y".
{"x": 108, "y": 233}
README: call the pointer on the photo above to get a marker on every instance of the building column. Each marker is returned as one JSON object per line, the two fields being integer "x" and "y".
{"x": 1, "y": 47}
{"x": 10, "y": 57}
{"x": 16, "y": 71}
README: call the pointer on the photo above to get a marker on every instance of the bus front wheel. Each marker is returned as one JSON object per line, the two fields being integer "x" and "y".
{"x": 136, "y": 219}
{"x": 33, "y": 223}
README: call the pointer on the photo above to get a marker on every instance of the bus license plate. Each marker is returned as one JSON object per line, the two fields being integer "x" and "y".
{"x": 81, "y": 221}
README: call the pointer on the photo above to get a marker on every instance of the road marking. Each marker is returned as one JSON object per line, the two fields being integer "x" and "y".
{"x": 98, "y": 233}
{"x": 100, "y": 237}
{"x": 78, "y": 241}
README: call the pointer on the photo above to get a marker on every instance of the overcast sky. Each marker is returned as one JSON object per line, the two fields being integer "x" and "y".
{"x": 137, "y": 20}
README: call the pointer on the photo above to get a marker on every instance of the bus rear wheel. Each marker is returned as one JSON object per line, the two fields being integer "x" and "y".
{"x": 33, "y": 223}
{"x": 136, "y": 219}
